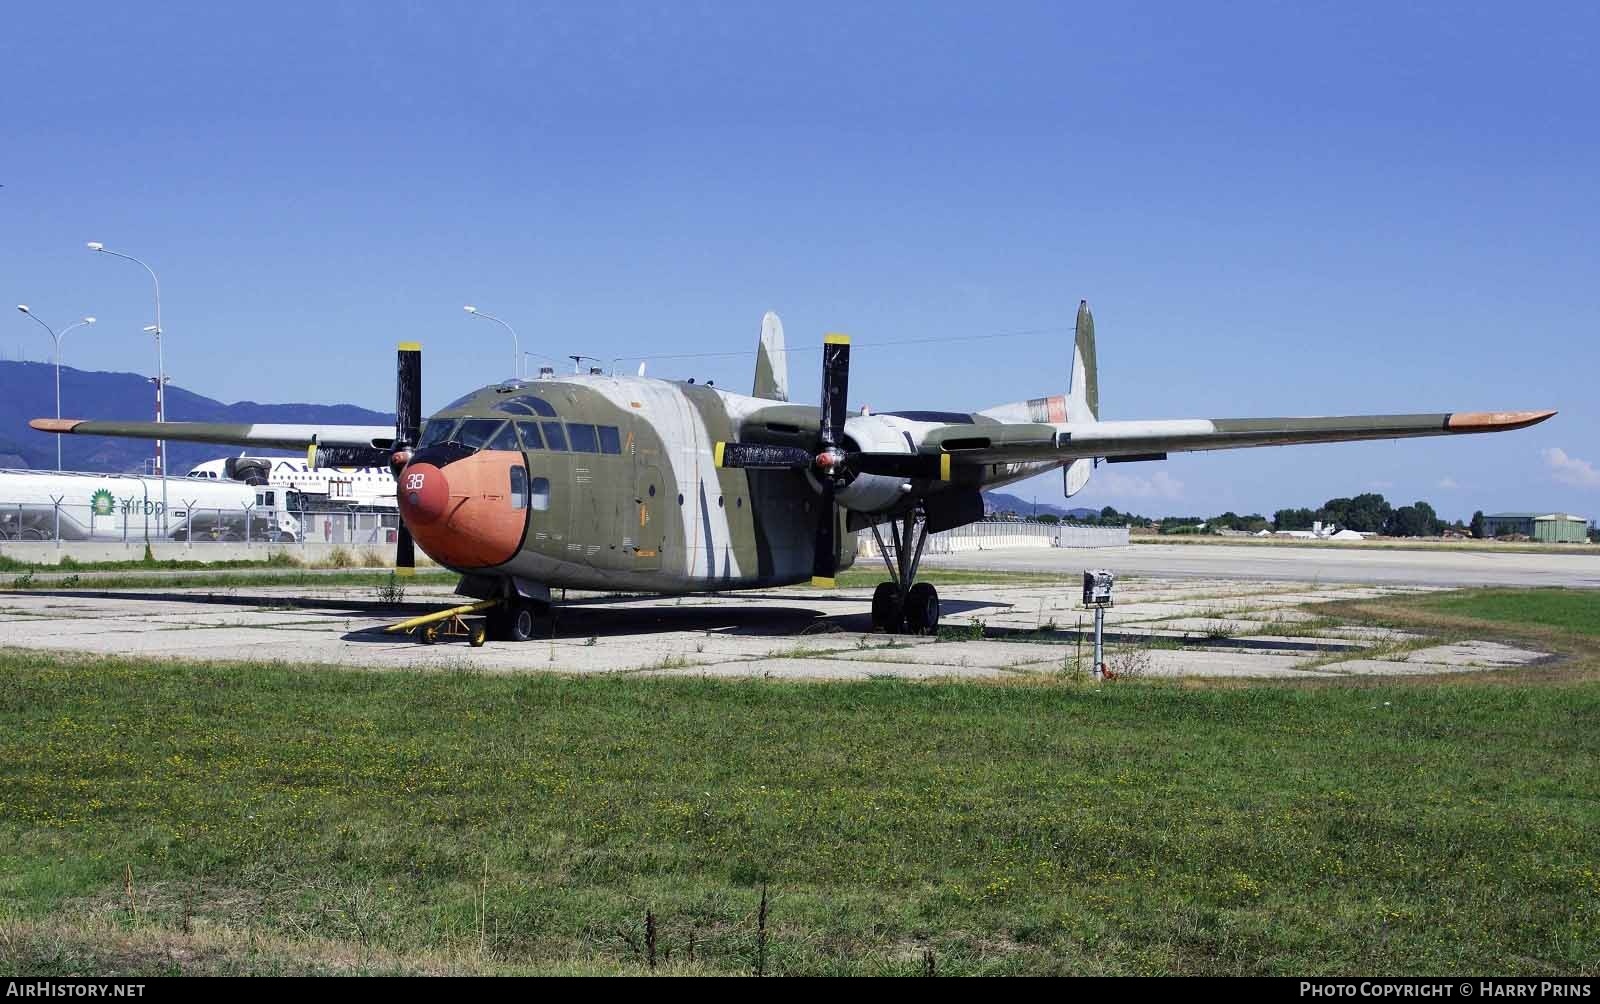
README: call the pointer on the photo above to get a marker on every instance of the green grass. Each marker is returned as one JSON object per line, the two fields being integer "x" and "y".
{"x": 275, "y": 559}
{"x": 197, "y": 818}
{"x": 1564, "y": 609}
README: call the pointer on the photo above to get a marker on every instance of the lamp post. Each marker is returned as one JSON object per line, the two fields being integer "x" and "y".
{"x": 56, "y": 336}
{"x": 161, "y": 366}
{"x": 516, "y": 356}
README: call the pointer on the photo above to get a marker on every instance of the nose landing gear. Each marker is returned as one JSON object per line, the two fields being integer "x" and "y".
{"x": 903, "y": 605}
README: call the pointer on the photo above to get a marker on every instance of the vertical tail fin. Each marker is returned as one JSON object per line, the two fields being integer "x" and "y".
{"x": 1083, "y": 396}
{"x": 772, "y": 362}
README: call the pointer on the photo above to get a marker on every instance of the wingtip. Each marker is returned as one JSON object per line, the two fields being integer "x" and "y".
{"x": 1495, "y": 421}
{"x": 54, "y": 424}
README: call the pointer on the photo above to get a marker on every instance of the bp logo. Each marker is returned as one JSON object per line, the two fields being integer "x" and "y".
{"x": 101, "y": 503}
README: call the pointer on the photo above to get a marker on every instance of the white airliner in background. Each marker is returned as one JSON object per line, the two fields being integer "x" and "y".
{"x": 356, "y": 486}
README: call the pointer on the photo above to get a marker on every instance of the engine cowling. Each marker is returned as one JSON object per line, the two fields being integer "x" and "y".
{"x": 874, "y": 492}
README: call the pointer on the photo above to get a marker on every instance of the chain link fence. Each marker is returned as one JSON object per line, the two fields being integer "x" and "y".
{"x": 139, "y": 521}
{"x": 989, "y": 535}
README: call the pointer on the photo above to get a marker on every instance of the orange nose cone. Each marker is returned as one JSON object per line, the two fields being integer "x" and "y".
{"x": 470, "y": 520}
{"x": 424, "y": 494}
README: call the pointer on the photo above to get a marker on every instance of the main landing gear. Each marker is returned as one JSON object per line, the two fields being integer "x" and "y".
{"x": 516, "y": 619}
{"x": 903, "y": 605}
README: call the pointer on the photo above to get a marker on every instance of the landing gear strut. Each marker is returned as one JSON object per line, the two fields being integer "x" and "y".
{"x": 903, "y": 605}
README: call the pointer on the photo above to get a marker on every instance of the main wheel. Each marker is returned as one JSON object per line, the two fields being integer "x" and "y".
{"x": 922, "y": 609}
{"x": 886, "y": 608}
{"x": 520, "y": 622}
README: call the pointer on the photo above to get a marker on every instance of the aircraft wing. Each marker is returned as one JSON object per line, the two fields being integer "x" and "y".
{"x": 281, "y": 437}
{"x": 1150, "y": 440}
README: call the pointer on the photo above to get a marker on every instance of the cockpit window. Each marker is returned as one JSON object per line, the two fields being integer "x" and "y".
{"x": 527, "y": 404}
{"x": 475, "y": 432}
{"x": 437, "y": 431}
{"x": 531, "y": 440}
{"x": 582, "y": 438}
{"x": 553, "y": 435}
{"x": 505, "y": 439}
{"x": 610, "y": 442}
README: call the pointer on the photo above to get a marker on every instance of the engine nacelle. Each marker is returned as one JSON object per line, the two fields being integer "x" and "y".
{"x": 250, "y": 470}
{"x": 874, "y": 434}
{"x": 871, "y": 493}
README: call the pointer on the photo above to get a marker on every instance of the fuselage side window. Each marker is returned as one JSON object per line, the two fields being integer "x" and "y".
{"x": 474, "y": 432}
{"x": 541, "y": 494}
{"x": 610, "y": 439}
{"x": 519, "y": 487}
{"x": 531, "y": 440}
{"x": 553, "y": 436}
{"x": 582, "y": 438}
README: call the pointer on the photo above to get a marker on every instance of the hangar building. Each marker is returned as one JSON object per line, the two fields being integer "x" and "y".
{"x": 1547, "y": 528}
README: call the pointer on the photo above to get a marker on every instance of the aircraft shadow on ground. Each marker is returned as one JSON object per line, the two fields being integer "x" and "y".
{"x": 743, "y": 614}
{"x": 736, "y": 616}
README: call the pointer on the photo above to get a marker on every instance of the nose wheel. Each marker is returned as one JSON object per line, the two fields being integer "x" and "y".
{"x": 903, "y": 605}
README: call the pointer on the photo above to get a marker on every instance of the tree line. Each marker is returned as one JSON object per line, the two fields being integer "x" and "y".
{"x": 1367, "y": 513}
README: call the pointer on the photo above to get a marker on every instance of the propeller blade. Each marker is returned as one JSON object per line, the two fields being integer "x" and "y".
{"x": 405, "y": 550}
{"x": 408, "y": 395}
{"x": 758, "y": 457}
{"x": 407, "y": 430}
{"x": 835, "y": 388}
{"x": 318, "y": 457}
{"x": 825, "y": 559}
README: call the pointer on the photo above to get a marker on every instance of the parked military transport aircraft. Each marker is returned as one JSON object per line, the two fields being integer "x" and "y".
{"x": 600, "y": 481}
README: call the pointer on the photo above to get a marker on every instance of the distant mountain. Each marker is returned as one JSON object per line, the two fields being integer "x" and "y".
{"x": 994, "y": 502}
{"x": 28, "y": 390}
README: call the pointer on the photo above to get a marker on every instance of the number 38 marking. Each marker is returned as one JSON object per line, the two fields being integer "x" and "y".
{"x": 414, "y": 482}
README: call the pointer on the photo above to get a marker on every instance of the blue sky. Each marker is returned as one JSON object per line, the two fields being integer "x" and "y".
{"x": 1273, "y": 209}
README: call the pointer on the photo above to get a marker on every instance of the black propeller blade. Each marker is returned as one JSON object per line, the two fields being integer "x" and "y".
{"x": 759, "y": 457}
{"x": 347, "y": 456}
{"x": 407, "y": 430}
{"x": 830, "y": 433}
{"x": 835, "y": 389}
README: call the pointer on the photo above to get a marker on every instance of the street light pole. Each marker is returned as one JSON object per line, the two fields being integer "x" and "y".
{"x": 161, "y": 367}
{"x": 56, "y": 336}
{"x": 516, "y": 356}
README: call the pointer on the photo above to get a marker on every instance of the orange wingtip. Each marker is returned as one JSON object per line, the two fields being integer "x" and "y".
{"x": 55, "y": 424}
{"x": 1480, "y": 421}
